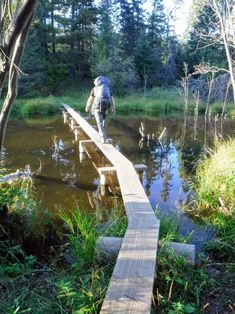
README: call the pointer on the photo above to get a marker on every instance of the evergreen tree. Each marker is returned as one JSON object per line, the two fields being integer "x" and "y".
{"x": 156, "y": 27}
{"x": 145, "y": 61}
{"x": 106, "y": 35}
{"x": 131, "y": 21}
{"x": 34, "y": 65}
{"x": 156, "y": 24}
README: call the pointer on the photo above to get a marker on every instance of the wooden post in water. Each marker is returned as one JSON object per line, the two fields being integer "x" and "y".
{"x": 66, "y": 116}
{"x": 72, "y": 123}
{"x": 82, "y": 145}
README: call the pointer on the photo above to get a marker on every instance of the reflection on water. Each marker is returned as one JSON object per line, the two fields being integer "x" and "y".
{"x": 65, "y": 180}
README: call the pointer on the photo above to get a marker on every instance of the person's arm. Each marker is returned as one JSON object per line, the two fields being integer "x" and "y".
{"x": 113, "y": 105}
{"x": 89, "y": 103}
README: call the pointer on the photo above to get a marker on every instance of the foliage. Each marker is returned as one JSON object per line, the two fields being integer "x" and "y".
{"x": 168, "y": 228}
{"x": 81, "y": 226}
{"x": 69, "y": 39}
{"x": 34, "y": 66}
{"x": 66, "y": 278}
{"x": 120, "y": 72}
{"x": 55, "y": 274}
{"x": 40, "y": 106}
{"x": 178, "y": 286}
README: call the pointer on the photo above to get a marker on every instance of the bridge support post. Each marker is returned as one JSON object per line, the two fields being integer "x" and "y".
{"x": 82, "y": 144}
{"x": 76, "y": 133}
{"x": 65, "y": 116}
{"x": 72, "y": 123}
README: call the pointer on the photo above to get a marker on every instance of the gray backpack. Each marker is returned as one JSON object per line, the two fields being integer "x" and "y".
{"x": 103, "y": 98}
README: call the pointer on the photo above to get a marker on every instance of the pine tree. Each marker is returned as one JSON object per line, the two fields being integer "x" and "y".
{"x": 106, "y": 36}
{"x": 131, "y": 18}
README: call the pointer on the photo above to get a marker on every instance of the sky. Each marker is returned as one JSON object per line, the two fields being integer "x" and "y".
{"x": 182, "y": 14}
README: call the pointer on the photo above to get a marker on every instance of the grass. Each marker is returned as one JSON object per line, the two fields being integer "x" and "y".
{"x": 62, "y": 275}
{"x": 156, "y": 100}
{"x": 179, "y": 286}
{"x": 215, "y": 189}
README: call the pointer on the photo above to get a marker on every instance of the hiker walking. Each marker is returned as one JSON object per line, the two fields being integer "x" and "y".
{"x": 99, "y": 102}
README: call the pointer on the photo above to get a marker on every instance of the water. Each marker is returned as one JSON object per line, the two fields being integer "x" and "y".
{"x": 65, "y": 181}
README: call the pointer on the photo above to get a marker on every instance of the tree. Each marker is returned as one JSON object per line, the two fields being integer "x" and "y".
{"x": 219, "y": 32}
{"x": 201, "y": 48}
{"x": 121, "y": 71}
{"x": 106, "y": 35}
{"x": 14, "y": 27}
{"x": 145, "y": 61}
{"x": 224, "y": 12}
{"x": 156, "y": 27}
{"x": 131, "y": 21}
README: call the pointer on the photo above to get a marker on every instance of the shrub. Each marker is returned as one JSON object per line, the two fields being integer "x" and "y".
{"x": 40, "y": 106}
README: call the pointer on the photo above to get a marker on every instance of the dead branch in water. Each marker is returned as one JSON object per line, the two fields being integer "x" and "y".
{"x": 26, "y": 174}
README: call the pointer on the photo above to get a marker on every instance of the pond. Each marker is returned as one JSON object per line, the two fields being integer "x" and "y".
{"x": 64, "y": 180}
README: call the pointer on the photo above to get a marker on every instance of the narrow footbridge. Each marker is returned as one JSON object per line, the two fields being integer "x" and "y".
{"x": 131, "y": 284}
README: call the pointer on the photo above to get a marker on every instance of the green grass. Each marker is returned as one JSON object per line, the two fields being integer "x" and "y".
{"x": 179, "y": 286}
{"x": 156, "y": 100}
{"x": 63, "y": 276}
{"x": 215, "y": 189}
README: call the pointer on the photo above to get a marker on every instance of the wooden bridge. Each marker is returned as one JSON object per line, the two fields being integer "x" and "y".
{"x": 131, "y": 284}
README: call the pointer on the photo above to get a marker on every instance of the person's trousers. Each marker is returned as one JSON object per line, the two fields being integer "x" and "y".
{"x": 100, "y": 121}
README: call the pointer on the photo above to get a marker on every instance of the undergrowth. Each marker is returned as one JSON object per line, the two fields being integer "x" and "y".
{"x": 59, "y": 272}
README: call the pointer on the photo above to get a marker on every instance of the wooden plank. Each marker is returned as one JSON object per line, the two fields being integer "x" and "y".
{"x": 108, "y": 248}
{"x": 130, "y": 288}
{"x": 104, "y": 170}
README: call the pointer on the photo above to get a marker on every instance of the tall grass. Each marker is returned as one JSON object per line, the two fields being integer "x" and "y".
{"x": 156, "y": 99}
{"x": 215, "y": 188}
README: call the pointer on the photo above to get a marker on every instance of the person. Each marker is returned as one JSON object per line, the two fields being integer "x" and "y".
{"x": 99, "y": 102}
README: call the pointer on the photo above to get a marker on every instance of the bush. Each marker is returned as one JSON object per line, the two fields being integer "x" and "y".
{"x": 40, "y": 106}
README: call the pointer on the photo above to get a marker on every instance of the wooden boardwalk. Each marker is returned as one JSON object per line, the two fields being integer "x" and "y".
{"x": 131, "y": 284}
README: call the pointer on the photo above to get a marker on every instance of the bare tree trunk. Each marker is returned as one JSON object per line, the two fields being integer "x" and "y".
{"x": 226, "y": 45}
{"x": 11, "y": 52}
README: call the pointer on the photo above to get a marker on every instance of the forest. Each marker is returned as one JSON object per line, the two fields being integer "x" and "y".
{"x": 71, "y": 42}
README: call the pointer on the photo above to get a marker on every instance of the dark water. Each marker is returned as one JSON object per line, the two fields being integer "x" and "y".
{"x": 64, "y": 181}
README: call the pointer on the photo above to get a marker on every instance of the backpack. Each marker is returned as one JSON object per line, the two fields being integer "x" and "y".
{"x": 103, "y": 98}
